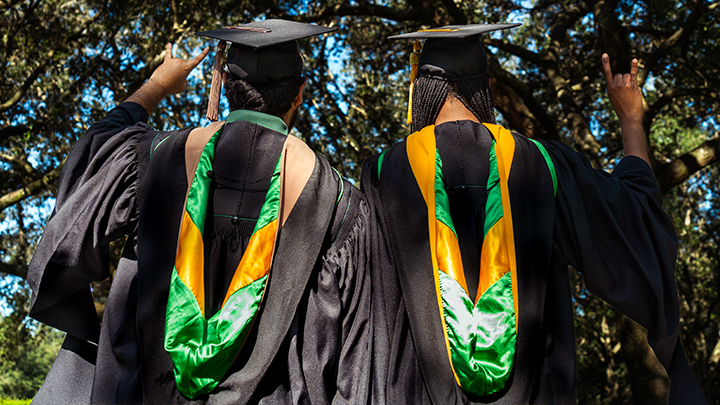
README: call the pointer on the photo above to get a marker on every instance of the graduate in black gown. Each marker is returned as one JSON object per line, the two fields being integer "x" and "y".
{"x": 474, "y": 228}
{"x": 243, "y": 276}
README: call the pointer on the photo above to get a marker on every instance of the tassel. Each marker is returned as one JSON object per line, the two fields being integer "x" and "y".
{"x": 414, "y": 60}
{"x": 216, "y": 85}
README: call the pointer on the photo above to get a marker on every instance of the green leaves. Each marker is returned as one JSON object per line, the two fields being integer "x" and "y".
{"x": 27, "y": 348}
{"x": 65, "y": 63}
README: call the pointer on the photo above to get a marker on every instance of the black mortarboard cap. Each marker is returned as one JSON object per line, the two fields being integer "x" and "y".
{"x": 454, "y": 51}
{"x": 263, "y": 51}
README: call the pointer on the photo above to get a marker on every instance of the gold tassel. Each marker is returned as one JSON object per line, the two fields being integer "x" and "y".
{"x": 414, "y": 59}
{"x": 216, "y": 85}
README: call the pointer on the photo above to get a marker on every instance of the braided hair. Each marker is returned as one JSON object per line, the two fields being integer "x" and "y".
{"x": 430, "y": 93}
{"x": 428, "y": 97}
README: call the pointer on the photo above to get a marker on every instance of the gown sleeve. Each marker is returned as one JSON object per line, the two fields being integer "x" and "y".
{"x": 352, "y": 265}
{"x": 612, "y": 228}
{"x": 120, "y": 117}
{"x": 96, "y": 203}
{"x": 337, "y": 328}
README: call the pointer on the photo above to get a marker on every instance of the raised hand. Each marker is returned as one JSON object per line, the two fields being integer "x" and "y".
{"x": 626, "y": 99}
{"x": 168, "y": 78}
{"x": 623, "y": 90}
{"x": 172, "y": 74}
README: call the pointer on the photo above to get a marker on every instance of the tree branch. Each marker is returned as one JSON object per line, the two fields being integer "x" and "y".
{"x": 28, "y": 12}
{"x": 679, "y": 35}
{"x": 520, "y": 52}
{"x": 612, "y": 35}
{"x": 582, "y": 136}
{"x": 584, "y": 140}
{"x": 673, "y": 173}
{"x": 31, "y": 189}
{"x": 9, "y": 132}
{"x": 26, "y": 85}
{"x": 563, "y": 22}
{"x": 651, "y": 111}
{"x": 146, "y": 71}
{"x": 4, "y": 5}
{"x": 543, "y": 5}
{"x": 648, "y": 380}
{"x": 20, "y": 165}
{"x": 518, "y": 105}
{"x": 654, "y": 108}
{"x": 42, "y": 122}
{"x": 48, "y": 57}
{"x": 458, "y": 18}
{"x": 14, "y": 269}
{"x": 368, "y": 9}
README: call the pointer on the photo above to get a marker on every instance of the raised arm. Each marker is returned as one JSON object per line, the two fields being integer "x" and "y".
{"x": 168, "y": 78}
{"x": 626, "y": 99}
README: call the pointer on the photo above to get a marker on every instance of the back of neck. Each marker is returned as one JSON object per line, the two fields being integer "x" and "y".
{"x": 454, "y": 110}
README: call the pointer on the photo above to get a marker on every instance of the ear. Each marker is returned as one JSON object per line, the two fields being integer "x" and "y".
{"x": 224, "y": 77}
{"x": 299, "y": 98}
{"x": 490, "y": 83}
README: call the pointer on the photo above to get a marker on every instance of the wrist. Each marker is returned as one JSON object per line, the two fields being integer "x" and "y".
{"x": 157, "y": 87}
{"x": 149, "y": 95}
{"x": 631, "y": 127}
{"x": 634, "y": 119}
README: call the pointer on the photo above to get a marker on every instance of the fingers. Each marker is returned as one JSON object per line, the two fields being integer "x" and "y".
{"x": 191, "y": 64}
{"x": 629, "y": 79}
{"x": 626, "y": 79}
{"x": 168, "y": 52}
{"x": 606, "y": 69}
{"x": 633, "y": 73}
{"x": 199, "y": 58}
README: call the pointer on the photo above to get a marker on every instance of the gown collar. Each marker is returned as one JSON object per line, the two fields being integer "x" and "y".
{"x": 264, "y": 120}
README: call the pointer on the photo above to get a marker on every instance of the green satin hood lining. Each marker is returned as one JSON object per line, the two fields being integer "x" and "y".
{"x": 481, "y": 338}
{"x": 202, "y": 350}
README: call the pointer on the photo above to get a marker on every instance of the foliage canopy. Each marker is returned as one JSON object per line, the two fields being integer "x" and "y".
{"x": 66, "y": 62}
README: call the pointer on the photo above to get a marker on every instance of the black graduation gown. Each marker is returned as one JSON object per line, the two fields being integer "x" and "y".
{"x": 610, "y": 227}
{"x": 309, "y": 342}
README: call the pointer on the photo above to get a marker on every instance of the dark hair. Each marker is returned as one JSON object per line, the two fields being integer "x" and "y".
{"x": 430, "y": 92}
{"x": 273, "y": 98}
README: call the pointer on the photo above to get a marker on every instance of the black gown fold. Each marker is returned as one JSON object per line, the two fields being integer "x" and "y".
{"x": 309, "y": 342}
{"x": 609, "y": 226}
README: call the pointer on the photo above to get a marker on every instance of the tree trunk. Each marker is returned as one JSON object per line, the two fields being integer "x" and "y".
{"x": 648, "y": 380}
